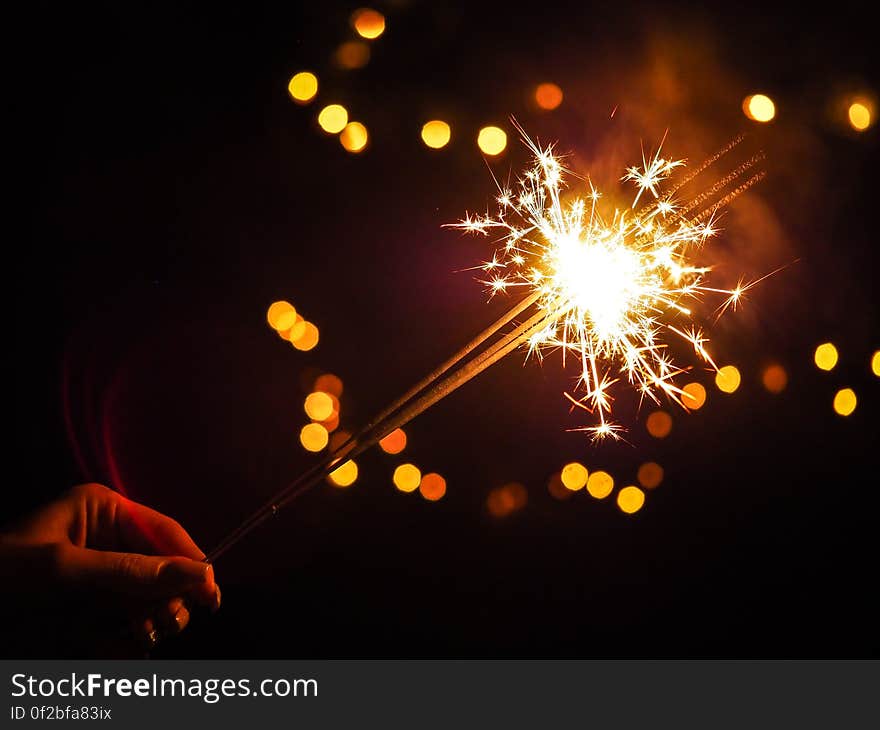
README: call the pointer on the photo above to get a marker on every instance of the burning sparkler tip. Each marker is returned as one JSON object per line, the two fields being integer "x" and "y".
{"x": 609, "y": 286}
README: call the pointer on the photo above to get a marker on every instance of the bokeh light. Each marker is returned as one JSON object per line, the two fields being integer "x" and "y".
{"x": 286, "y": 321}
{"x": 280, "y": 309}
{"x": 313, "y": 437}
{"x": 492, "y": 140}
{"x": 319, "y": 406}
{"x": 329, "y": 383}
{"x": 334, "y": 400}
{"x": 308, "y": 339}
{"x": 659, "y": 424}
{"x": 774, "y": 378}
{"x": 574, "y": 476}
{"x": 825, "y": 356}
{"x": 694, "y": 396}
{"x": 759, "y": 108}
{"x": 630, "y": 499}
{"x": 344, "y": 475}
{"x": 504, "y": 501}
{"x": 600, "y": 484}
{"x": 728, "y": 379}
{"x": 333, "y": 118}
{"x": 650, "y": 475}
{"x": 297, "y": 331}
{"x": 303, "y": 87}
{"x": 354, "y": 137}
{"x": 557, "y": 489}
{"x": 332, "y": 423}
{"x": 875, "y": 364}
{"x": 352, "y": 54}
{"x": 394, "y": 442}
{"x": 407, "y": 477}
{"x": 845, "y": 401}
{"x": 548, "y": 96}
{"x": 859, "y": 114}
{"x": 368, "y": 23}
{"x": 436, "y": 134}
{"x": 432, "y": 487}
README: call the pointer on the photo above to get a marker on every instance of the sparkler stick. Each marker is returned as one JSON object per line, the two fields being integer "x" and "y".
{"x": 505, "y": 318}
{"x": 706, "y": 164}
{"x": 722, "y": 183}
{"x": 738, "y": 190}
{"x": 402, "y": 410}
{"x": 459, "y": 377}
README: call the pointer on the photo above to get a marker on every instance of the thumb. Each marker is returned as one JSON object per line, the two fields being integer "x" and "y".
{"x": 132, "y": 574}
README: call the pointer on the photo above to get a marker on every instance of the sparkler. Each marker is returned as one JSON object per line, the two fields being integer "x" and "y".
{"x": 618, "y": 284}
{"x": 604, "y": 290}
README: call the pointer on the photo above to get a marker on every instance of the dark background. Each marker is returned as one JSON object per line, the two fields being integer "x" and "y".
{"x": 172, "y": 191}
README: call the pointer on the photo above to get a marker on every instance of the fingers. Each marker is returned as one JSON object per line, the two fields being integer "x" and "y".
{"x": 137, "y": 576}
{"x": 146, "y": 634}
{"x": 166, "y": 619}
{"x": 181, "y": 618}
{"x": 131, "y": 525}
{"x": 172, "y": 616}
{"x": 148, "y": 531}
{"x": 145, "y": 531}
{"x": 154, "y": 590}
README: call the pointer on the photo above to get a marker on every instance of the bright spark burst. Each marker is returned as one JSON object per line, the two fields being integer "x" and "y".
{"x": 612, "y": 287}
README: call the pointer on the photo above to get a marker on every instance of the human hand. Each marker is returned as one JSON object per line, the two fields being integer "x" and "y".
{"x": 115, "y": 558}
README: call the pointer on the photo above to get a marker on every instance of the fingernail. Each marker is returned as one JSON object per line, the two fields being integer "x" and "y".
{"x": 174, "y": 605}
{"x": 174, "y": 618}
{"x": 152, "y": 638}
{"x": 166, "y": 617}
{"x": 185, "y": 571}
{"x": 216, "y": 604}
{"x": 181, "y": 619}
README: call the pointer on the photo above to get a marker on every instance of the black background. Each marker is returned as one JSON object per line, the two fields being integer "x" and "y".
{"x": 172, "y": 191}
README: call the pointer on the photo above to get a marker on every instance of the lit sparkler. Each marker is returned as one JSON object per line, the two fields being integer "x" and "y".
{"x": 614, "y": 287}
{"x": 604, "y": 290}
